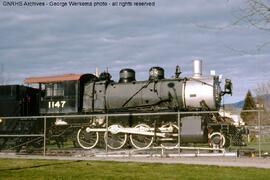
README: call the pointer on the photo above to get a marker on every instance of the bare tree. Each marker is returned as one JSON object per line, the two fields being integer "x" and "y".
{"x": 263, "y": 94}
{"x": 263, "y": 99}
{"x": 256, "y": 13}
{"x": 262, "y": 88}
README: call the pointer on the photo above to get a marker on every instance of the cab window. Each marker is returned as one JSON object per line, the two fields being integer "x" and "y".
{"x": 56, "y": 89}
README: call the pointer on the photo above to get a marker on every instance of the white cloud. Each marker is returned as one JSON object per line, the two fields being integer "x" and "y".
{"x": 40, "y": 41}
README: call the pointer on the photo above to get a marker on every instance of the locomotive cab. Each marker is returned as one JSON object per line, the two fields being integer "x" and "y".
{"x": 63, "y": 93}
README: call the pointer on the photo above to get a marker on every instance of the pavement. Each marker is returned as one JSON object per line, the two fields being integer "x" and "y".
{"x": 217, "y": 161}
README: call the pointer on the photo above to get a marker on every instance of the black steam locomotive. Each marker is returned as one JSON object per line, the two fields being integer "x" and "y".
{"x": 90, "y": 94}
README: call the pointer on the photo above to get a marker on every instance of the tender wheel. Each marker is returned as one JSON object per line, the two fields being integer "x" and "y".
{"x": 141, "y": 141}
{"x": 217, "y": 140}
{"x": 172, "y": 140}
{"x": 87, "y": 139}
{"x": 115, "y": 139}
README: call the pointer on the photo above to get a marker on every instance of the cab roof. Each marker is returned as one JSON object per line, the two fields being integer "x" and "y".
{"x": 56, "y": 78}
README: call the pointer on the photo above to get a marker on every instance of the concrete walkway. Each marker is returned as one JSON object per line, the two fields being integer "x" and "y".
{"x": 218, "y": 161}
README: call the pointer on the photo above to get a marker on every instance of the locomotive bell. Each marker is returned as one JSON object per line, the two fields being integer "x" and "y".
{"x": 156, "y": 73}
{"x": 127, "y": 75}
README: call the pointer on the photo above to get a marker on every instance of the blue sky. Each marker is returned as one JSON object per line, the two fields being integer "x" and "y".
{"x": 53, "y": 40}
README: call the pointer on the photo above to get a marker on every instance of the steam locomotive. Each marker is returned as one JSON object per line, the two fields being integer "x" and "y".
{"x": 91, "y": 94}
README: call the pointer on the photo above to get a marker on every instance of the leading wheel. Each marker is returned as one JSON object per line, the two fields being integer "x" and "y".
{"x": 114, "y": 138}
{"x": 86, "y": 138}
{"x": 141, "y": 141}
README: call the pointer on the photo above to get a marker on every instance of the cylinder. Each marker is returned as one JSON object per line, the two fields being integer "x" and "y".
{"x": 197, "y": 68}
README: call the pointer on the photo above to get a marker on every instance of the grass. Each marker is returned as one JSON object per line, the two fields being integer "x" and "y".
{"x": 59, "y": 169}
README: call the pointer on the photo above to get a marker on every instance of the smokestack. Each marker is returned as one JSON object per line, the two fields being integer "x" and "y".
{"x": 197, "y": 68}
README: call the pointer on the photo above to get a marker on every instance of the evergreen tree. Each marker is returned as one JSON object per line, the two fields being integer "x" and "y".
{"x": 249, "y": 104}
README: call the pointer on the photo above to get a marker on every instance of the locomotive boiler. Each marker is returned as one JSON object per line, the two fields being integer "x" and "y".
{"x": 157, "y": 93}
{"x": 99, "y": 95}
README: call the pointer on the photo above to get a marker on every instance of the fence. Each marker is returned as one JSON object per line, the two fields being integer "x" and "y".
{"x": 128, "y": 133}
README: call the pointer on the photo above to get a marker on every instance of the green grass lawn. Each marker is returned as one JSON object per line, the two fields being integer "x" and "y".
{"x": 56, "y": 169}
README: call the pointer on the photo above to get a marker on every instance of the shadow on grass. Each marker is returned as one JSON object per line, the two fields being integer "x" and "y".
{"x": 41, "y": 165}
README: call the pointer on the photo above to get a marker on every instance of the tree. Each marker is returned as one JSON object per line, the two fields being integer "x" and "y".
{"x": 254, "y": 13}
{"x": 263, "y": 99}
{"x": 249, "y": 104}
{"x": 257, "y": 14}
{"x": 263, "y": 94}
